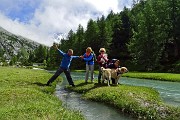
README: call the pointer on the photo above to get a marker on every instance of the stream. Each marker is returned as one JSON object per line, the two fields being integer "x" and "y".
{"x": 169, "y": 92}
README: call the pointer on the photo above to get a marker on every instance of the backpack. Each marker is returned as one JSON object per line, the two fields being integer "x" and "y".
{"x": 94, "y": 56}
{"x": 111, "y": 62}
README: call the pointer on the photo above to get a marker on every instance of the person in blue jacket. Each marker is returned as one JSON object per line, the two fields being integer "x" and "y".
{"x": 64, "y": 66}
{"x": 88, "y": 57}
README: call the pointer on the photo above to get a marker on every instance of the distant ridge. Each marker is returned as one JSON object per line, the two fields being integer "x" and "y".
{"x": 10, "y": 44}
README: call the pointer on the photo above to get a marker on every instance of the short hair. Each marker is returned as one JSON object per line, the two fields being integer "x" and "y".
{"x": 102, "y": 49}
{"x": 117, "y": 61}
{"x": 70, "y": 50}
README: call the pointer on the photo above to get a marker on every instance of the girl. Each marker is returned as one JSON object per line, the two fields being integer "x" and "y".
{"x": 88, "y": 58}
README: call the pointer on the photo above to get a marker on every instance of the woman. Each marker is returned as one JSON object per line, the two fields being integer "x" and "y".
{"x": 88, "y": 57}
{"x": 102, "y": 61}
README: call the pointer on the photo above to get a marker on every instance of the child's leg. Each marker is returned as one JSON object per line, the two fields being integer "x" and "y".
{"x": 58, "y": 72}
{"x": 92, "y": 72}
{"x": 87, "y": 73}
{"x": 68, "y": 76}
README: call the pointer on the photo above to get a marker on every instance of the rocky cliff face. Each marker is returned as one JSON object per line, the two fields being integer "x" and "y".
{"x": 11, "y": 44}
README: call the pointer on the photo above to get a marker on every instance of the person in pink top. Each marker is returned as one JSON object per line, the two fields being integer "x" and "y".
{"x": 102, "y": 60}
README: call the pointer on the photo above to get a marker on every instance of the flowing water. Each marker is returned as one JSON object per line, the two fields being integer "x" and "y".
{"x": 169, "y": 92}
{"x": 90, "y": 110}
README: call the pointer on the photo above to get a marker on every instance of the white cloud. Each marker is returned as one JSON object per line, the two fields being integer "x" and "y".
{"x": 122, "y": 3}
{"x": 27, "y": 30}
{"x": 57, "y": 16}
{"x": 104, "y": 6}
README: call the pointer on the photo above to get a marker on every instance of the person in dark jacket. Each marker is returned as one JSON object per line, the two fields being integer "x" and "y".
{"x": 114, "y": 65}
{"x": 64, "y": 66}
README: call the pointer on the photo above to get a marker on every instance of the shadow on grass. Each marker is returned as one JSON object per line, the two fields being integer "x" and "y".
{"x": 40, "y": 84}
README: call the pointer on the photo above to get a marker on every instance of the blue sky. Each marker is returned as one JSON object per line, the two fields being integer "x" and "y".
{"x": 19, "y": 9}
{"x": 40, "y": 19}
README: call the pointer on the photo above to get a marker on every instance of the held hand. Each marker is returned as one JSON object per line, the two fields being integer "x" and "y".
{"x": 55, "y": 46}
{"x": 81, "y": 57}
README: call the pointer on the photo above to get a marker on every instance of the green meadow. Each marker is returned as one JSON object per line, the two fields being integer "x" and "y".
{"x": 24, "y": 96}
{"x": 154, "y": 76}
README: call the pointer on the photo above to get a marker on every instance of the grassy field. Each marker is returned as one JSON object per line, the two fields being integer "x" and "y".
{"x": 25, "y": 97}
{"x": 140, "y": 102}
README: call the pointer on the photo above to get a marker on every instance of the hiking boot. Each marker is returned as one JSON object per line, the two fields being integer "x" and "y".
{"x": 48, "y": 84}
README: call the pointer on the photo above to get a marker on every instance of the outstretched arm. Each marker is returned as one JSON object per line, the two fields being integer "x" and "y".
{"x": 75, "y": 56}
{"x": 56, "y": 47}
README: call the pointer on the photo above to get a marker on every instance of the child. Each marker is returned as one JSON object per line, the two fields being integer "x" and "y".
{"x": 88, "y": 57}
{"x": 114, "y": 65}
{"x": 64, "y": 66}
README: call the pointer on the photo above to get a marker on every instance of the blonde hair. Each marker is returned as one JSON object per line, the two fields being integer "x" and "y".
{"x": 89, "y": 48}
{"x": 102, "y": 49}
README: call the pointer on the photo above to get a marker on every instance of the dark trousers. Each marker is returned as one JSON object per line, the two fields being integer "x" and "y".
{"x": 113, "y": 80}
{"x": 58, "y": 72}
{"x": 99, "y": 75}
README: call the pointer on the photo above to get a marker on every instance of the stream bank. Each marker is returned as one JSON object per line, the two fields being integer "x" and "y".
{"x": 164, "y": 92}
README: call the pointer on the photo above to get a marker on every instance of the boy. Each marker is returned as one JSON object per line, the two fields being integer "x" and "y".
{"x": 64, "y": 66}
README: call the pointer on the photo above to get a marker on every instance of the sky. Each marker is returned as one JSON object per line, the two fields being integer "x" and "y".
{"x": 42, "y": 20}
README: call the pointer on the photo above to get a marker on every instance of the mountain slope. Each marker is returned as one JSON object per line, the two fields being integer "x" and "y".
{"x": 11, "y": 44}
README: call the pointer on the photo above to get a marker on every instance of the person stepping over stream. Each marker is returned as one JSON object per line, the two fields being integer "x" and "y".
{"x": 64, "y": 66}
